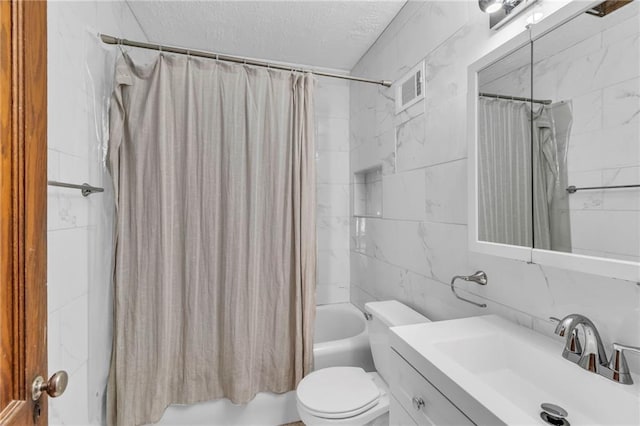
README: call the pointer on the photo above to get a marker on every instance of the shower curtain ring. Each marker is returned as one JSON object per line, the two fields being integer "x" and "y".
{"x": 120, "y": 46}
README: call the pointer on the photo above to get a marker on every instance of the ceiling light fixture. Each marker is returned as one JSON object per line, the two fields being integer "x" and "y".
{"x": 490, "y": 6}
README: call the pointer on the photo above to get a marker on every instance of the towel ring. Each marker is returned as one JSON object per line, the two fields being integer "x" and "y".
{"x": 479, "y": 278}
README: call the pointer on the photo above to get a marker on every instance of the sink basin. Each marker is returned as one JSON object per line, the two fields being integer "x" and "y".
{"x": 498, "y": 371}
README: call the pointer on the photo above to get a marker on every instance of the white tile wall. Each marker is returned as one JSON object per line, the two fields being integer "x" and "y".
{"x": 411, "y": 253}
{"x": 79, "y": 240}
{"x": 332, "y": 147}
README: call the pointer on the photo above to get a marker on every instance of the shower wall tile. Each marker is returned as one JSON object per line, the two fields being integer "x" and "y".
{"x": 73, "y": 408}
{"x": 446, "y": 192}
{"x": 332, "y": 98}
{"x": 67, "y": 266}
{"x": 587, "y": 113}
{"x": 410, "y": 144}
{"x": 404, "y": 195}
{"x": 332, "y": 167}
{"x": 332, "y": 190}
{"x": 72, "y": 346}
{"x": 332, "y": 293}
{"x": 430, "y": 139}
{"x": 332, "y": 134}
{"x": 443, "y": 141}
{"x": 412, "y": 252}
{"x": 333, "y": 200}
{"x": 78, "y": 278}
{"x": 67, "y": 208}
{"x": 619, "y": 200}
{"x": 333, "y": 232}
{"x": 623, "y": 104}
{"x": 336, "y": 266}
{"x": 618, "y": 231}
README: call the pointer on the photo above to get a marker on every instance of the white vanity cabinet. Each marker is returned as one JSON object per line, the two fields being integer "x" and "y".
{"x": 416, "y": 401}
{"x": 398, "y": 416}
{"x": 487, "y": 370}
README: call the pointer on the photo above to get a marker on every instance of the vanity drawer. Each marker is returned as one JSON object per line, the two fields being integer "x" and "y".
{"x": 398, "y": 416}
{"x": 409, "y": 388}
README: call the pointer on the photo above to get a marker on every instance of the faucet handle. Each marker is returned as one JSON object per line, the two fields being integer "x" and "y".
{"x": 618, "y": 363}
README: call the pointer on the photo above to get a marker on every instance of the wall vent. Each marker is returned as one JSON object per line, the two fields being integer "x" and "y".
{"x": 410, "y": 88}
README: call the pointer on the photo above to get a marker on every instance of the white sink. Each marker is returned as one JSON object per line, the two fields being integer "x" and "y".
{"x": 495, "y": 370}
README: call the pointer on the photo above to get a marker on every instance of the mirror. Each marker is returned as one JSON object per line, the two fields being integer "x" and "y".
{"x": 557, "y": 139}
{"x": 589, "y": 135}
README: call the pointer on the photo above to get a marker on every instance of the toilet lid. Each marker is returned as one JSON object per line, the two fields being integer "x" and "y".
{"x": 338, "y": 392}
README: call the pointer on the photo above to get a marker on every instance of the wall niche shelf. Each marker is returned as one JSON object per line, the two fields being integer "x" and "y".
{"x": 367, "y": 193}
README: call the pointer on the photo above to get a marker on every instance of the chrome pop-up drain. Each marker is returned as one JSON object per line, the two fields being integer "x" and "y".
{"x": 554, "y": 415}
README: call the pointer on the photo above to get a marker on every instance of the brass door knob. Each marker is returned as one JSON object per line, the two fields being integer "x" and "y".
{"x": 54, "y": 387}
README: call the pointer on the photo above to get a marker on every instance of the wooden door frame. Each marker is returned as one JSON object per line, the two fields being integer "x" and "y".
{"x": 23, "y": 208}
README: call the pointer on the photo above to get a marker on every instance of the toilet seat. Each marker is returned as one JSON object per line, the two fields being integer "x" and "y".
{"x": 338, "y": 392}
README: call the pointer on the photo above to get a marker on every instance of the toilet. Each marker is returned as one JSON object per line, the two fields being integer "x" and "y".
{"x": 349, "y": 395}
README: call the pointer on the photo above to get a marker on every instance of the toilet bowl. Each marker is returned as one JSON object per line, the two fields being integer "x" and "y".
{"x": 349, "y": 395}
{"x": 342, "y": 395}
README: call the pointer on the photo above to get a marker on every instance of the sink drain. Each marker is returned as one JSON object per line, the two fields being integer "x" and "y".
{"x": 554, "y": 414}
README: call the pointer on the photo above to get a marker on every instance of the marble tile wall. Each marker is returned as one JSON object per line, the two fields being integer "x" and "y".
{"x": 603, "y": 81}
{"x": 332, "y": 147}
{"x": 80, "y": 70}
{"x": 420, "y": 242}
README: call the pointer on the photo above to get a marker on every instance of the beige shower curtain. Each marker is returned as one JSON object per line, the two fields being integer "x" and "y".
{"x": 213, "y": 168}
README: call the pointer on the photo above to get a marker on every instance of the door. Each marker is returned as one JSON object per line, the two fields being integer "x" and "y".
{"x": 23, "y": 207}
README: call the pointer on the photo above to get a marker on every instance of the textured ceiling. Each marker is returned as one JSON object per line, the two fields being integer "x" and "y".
{"x": 328, "y": 34}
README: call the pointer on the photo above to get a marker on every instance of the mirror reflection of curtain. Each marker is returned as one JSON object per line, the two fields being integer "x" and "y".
{"x": 504, "y": 172}
{"x": 551, "y": 221}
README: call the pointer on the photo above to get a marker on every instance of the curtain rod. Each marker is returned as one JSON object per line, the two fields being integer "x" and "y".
{"x": 515, "y": 98}
{"x": 228, "y": 58}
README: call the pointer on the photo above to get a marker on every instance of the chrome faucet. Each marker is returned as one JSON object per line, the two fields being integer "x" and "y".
{"x": 591, "y": 355}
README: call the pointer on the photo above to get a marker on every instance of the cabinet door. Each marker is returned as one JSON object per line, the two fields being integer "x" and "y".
{"x": 398, "y": 416}
{"x": 425, "y": 404}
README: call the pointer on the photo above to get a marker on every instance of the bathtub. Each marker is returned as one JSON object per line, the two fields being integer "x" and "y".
{"x": 340, "y": 339}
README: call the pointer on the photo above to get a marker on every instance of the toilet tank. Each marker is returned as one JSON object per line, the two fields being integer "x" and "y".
{"x": 387, "y": 314}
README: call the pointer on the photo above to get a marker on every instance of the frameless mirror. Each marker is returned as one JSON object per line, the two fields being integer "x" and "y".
{"x": 556, "y": 141}
{"x": 586, "y": 181}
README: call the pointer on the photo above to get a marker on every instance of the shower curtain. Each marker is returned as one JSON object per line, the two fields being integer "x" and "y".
{"x": 504, "y": 172}
{"x": 522, "y": 160}
{"x": 213, "y": 169}
{"x": 551, "y": 129}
